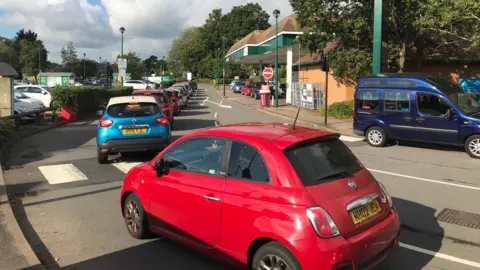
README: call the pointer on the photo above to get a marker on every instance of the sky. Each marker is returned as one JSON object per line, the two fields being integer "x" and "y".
{"x": 93, "y": 25}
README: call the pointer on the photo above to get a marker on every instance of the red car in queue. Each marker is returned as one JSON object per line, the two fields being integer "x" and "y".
{"x": 175, "y": 100}
{"x": 247, "y": 89}
{"x": 267, "y": 195}
{"x": 163, "y": 101}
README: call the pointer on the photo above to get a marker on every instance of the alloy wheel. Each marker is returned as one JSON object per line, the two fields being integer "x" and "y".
{"x": 132, "y": 216}
{"x": 375, "y": 137}
{"x": 272, "y": 262}
{"x": 474, "y": 147}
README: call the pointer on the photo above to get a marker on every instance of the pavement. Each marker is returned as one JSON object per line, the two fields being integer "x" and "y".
{"x": 67, "y": 204}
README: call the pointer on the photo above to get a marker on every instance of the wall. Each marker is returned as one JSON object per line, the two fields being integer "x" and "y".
{"x": 6, "y": 91}
{"x": 337, "y": 91}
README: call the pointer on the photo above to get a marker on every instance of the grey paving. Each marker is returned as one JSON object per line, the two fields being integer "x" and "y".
{"x": 79, "y": 225}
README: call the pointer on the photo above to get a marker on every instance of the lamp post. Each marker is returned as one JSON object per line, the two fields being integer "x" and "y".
{"x": 224, "y": 39}
{"x": 276, "y": 13}
{"x": 377, "y": 37}
{"x": 163, "y": 65}
{"x": 122, "y": 30}
{"x": 84, "y": 54}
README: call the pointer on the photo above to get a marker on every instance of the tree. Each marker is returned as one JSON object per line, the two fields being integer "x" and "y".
{"x": 134, "y": 65}
{"x": 8, "y": 53}
{"x": 91, "y": 68}
{"x": 150, "y": 63}
{"x": 242, "y": 20}
{"x": 29, "y": 51}
{"x": 69, "y": 56}
{"x": 187, "y": 52}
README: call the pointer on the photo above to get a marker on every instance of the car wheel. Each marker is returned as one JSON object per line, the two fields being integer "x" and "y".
{"x": 148, "y": 88}
{"x": 376, "y": 136}
{"x": 102, "y": 157}
{"x": 275, "y": 256}
{"x": 472, "y": 146}
{"x": 135, "y": 218}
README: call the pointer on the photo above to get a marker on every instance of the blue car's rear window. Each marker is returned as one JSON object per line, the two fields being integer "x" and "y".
{"x": 125, "y": 110}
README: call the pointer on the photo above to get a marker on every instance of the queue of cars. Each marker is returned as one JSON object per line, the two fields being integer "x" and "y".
{"x": 252, "y": 89}
{"x": 30, "y": 98}
{"x": 140, "y": 122}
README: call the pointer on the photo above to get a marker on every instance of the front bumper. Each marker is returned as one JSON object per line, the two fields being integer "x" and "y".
{"x": 134, "y": 145}
{"x": 365, "y": 250}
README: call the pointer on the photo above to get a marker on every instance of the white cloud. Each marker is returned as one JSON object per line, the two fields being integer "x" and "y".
{"x": 150, "y": 25}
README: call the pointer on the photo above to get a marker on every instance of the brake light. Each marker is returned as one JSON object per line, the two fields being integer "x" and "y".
{"x": 161, "y": 120}
{"x": 322, "y": 223}
{"x": 104, "y": 122}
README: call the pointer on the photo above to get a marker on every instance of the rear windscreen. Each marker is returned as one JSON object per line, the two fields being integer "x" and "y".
{"x": 160, "y": 98}
{"x": 133, "y": 109}
{"x": 323, "y": 160}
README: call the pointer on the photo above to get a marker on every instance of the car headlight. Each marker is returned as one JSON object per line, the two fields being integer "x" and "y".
{"x": 384, "y": 189}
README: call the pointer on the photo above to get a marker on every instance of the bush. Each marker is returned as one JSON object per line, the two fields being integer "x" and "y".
{"x": 85, "y": 100}
{"x": 7, "y": 130}
{"x": 339, "y": 110}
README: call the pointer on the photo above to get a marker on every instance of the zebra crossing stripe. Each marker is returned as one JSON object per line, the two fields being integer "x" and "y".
{"x": 125, "y": 166}
{"x": 63, "y": 173}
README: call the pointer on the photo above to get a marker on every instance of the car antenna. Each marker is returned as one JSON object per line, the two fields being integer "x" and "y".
{"x": 296, "y": 117}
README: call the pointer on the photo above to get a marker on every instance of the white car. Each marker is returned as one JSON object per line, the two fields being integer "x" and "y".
{"x": 41, "y": 93}
{"x": 139, "y": 84}
{"x": 22, "y": 97}
{"x": 21, "y": 107}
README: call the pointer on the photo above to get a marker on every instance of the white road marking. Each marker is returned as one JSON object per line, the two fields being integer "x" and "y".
{"x": 424, "y": 179}
{"x": 351, "y": 139}
{"x": 125, "y": 166}
{"x": 218, "y": 104}
{"x": 63, "y": 173}
{"x": 203, "y": 102}
{"x": 221, "y": 102}
{"x": 441, "y": 255}
{"x": 216, "y": 114}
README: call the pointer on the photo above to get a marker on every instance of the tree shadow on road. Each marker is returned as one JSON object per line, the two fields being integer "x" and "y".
{"x": 419, "y": 229}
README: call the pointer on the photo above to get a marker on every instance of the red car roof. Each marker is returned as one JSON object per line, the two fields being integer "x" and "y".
{"x": 153, "y": 92}
{"x": 278, "y": 133}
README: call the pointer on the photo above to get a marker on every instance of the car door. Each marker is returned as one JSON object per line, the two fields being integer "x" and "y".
{"x": 188, "y": 200}
{"x": 398, "y": 113}
{"x": 37, "y": 93}
{"x": 431, "y": 121}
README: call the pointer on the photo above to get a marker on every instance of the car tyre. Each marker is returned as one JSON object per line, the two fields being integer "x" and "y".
{"x": 135, "y": 218}
{"x": 102, "y": 157}
{"x": 472, "y": 146}
{"x": 376, "y": 136}
{"x": 276, "y": 256}
{"x": 148, "y": 87}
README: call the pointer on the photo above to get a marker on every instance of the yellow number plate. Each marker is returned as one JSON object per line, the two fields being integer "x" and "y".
{"x": 134, "y": 131}
{"x": 363, "y": 213}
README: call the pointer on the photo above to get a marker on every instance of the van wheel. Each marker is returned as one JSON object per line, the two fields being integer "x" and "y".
{"x": 275, "y": 256}
{"x": 472, "y": 146}
{"x": 376, "y": 137}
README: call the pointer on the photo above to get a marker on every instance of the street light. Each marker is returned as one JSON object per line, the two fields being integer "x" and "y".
{"x": 224, "y": 39}
{"x": 122, "y": 30}
{"x": 163, "y": 65}
{"x": 84, "y": 54}
{"x": 276, "y": 13}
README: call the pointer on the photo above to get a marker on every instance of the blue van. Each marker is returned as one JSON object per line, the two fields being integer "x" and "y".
{"x": 416, "y": 107}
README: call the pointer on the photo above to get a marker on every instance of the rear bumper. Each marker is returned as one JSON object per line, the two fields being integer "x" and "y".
{"x": 366, "y": 249}
{"x": 134, "y": 145}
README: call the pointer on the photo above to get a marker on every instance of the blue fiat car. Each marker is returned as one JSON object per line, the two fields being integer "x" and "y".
{"x": 131, "y": 124}
{"x": 416, "y": 107}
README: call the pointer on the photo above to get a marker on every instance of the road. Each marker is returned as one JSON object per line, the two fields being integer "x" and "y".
{"x": 67, "y": 204}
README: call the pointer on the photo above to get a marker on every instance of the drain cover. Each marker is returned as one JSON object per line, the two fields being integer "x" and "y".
{"x": 465, "y": 219}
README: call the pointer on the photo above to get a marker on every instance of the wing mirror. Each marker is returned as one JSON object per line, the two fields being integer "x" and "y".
{"x": 161, "y": 167}
{"x": 450, "y": 114}
{"x": 45, "y": 93}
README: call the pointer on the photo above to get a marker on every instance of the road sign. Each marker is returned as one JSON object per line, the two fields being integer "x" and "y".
{"x": 122, "y": 73}
{"x": 122, "y": 63}
{"x": 268, "y": 73}
{"x": 165, "y": 78}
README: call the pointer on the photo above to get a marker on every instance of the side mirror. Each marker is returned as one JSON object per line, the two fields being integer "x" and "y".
{"x": 45, "y": 93}
{"x": 161, "y": 167}
{"x": 450, "y": 113}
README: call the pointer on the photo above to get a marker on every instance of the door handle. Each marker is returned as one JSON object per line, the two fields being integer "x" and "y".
{"x": 408, "y": 118}
{"x": 420, "y": 119}
{"x": 211, "y": 198}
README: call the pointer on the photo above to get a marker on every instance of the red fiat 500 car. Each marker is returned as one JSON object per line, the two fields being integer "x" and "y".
{"x": 162, "y": 100}
{"x": 247, "y": 90}
{"x": 267, "y": 195}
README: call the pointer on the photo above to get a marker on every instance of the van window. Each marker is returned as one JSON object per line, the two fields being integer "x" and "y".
{"x": 368, "y": 100}
{"x": 398, "y": 101}
{"x": 432, "y": 105}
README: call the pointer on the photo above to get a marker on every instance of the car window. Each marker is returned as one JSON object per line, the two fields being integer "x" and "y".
{"x": 398, "y": 101}
{"x": 35, "y": 90}
{"x": 197, "y": 155}
{"x": 160, "y": 98}
{"x": 124, "y": 110}
{"x": 322, "y": 160}
{"x": 128, "y": 82}
{"x": 247, "y": 163}
{"x": 368, "y": 100}
{"x": 47, "y": 88}
{"x": 432, "y": 105}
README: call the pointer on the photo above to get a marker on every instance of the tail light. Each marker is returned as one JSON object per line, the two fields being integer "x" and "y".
{"x": 384, "y": 189}
{"x": 104, "y": 122}
{"x": 161, "y": 120}
{"x": 165, "y": 107}
{"x": 322, "y": 223}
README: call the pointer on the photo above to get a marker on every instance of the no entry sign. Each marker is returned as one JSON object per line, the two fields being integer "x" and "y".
{"x": 268, "y": 73}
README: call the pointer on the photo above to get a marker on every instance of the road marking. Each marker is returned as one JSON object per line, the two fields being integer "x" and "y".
{"x": 440, "y": 255}
{"x": 216, "y": 114}
{"x": 351, "y": 139}
{"x": 63, "y": 173}
{"x": 125, "y": 166}
{"x": 203, "y": 102}
{"x": 218, "y": 104}
{"x": 221, "y": 102}
{"x": 424, "y": 179}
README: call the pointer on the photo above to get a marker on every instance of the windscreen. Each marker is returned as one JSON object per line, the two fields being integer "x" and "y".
{"x": 323, "y": 160}
{"x": 124, "y": 110}
{"x": 160, "y": 98}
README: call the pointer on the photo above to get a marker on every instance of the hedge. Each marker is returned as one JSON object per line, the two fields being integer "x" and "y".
{"x": 339, "y": 110}
{"x": 7, "y": 130}
{"x": 85, "y": 100}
